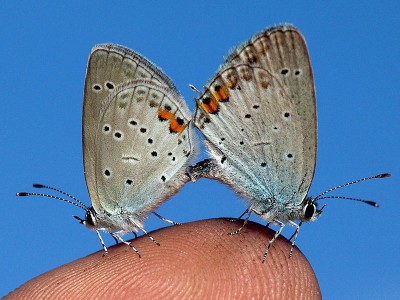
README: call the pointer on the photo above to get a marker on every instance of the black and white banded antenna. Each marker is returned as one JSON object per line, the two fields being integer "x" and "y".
{"x": 369, "y": 202}
{"x": 72, "y": 200}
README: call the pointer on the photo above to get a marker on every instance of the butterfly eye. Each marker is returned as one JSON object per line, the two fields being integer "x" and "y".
{"x": 309, "y": 210}
{"x": 90, "y": 218}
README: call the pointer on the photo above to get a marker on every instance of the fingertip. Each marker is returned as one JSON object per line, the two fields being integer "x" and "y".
{"x": 198, "y": 258}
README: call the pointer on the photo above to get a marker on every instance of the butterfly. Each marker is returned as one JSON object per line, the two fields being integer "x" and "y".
{"x": 258, "y": 116}
{"x": 137, "y": 137}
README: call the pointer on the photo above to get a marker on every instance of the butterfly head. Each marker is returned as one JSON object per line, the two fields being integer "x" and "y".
{"x": 310, "y": 210}
{"x": 90, "y": 219}
{"x": 310, "y": 206}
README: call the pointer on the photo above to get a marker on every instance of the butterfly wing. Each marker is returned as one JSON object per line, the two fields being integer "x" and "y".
{"x": 258, "y": 116}
{"x": 137, "y": 134}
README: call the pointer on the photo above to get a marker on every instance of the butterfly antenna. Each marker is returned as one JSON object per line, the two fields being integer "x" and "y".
{"x": 42, "y": 186}
{"x": 77, "y": 203}
{"x": 372, "y": 203}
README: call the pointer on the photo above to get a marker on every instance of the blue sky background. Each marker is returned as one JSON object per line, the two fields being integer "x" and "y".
{"x": 355, "y": 52}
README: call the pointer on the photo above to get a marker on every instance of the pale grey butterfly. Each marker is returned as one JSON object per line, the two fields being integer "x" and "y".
{"x": 137, "y": 141}
{"x": 258, "y": 116}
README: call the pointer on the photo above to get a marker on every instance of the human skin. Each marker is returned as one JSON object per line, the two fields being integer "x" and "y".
{"x": 197, "y": 260}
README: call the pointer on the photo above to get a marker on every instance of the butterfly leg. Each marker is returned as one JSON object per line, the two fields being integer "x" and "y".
{"x": 116, "y": 236}
{"x": 248, "y": 211}
{"x": 116, "y": 240}
{"x": 277, "y": 234}
{"x": 145, "y": 232}
{"x": 294, "y": 236}
{"x": 166, "y": 220}
{"x": 238, "y": 218}
{"x": 150, "y": 237}
{"x": 102, "y": 243}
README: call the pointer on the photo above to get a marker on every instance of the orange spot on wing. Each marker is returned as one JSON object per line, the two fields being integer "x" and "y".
{"x": 232, "y": 83}
{"x": 164, "y": 115}
{"x": 221, "y": 93}
{"x": 209, "y": 104}
{"x": 175, "y": 126}
{"x": 210, "y": 101}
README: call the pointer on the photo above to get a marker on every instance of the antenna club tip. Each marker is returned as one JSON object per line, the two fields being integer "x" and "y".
{"x": 384, "y": 175}
{"x": 372, "y": 203}
{"x": 37, "y": 185}
{"x": 21, "y": 194}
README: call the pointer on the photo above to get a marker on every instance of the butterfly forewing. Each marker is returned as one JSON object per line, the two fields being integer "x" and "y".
{"x": 258, "y": 117}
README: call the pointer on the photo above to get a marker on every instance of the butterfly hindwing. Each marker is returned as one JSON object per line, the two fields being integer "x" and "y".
{"x": 141, "y": 153}
{"x": 137, "y": 134}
